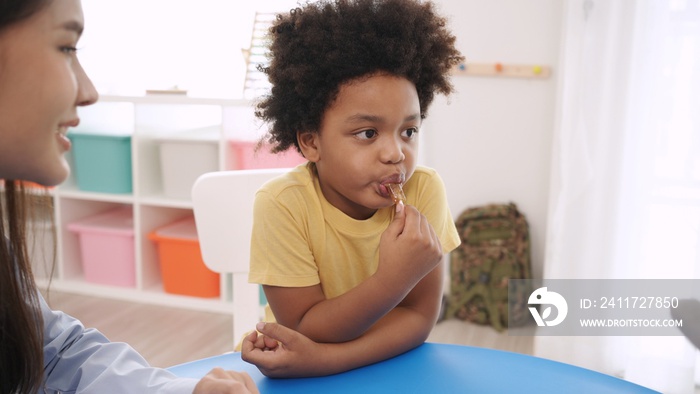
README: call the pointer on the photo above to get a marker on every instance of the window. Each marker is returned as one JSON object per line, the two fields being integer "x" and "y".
{"x": 130, "y": 46}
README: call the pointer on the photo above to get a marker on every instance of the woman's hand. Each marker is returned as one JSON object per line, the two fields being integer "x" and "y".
{"x": 280, "y": 352}
{"x": 218, "y": 381}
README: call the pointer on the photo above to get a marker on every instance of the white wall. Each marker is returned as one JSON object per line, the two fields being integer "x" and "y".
{"x": 491, "y": 144}
{"x": 491, "y": 141}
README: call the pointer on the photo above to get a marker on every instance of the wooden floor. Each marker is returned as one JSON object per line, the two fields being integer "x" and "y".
{"x": 164, "y": 336}
{"x": 170, "y": 336}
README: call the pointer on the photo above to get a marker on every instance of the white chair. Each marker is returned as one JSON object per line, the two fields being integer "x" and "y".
{"x": 223, "y": 212}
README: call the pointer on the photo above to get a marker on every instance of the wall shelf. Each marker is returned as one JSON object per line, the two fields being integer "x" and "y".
{"x": 148, "y": 119}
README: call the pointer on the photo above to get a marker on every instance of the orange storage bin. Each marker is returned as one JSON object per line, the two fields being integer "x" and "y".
{"x": 181, "y": 264}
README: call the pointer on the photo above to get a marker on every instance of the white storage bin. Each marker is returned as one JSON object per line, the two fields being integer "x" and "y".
{"x": 184, "y": 157}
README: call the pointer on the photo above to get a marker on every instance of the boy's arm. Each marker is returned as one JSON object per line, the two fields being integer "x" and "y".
{"x": 400, "y": 330}
{"x": 407, "y": 279}
{"x": 350, "y": 315}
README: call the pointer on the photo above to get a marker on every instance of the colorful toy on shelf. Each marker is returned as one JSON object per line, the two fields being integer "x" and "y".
{"x": 502, "y": 70}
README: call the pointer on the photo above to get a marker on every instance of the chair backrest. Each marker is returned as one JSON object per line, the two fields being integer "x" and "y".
{"x": 223, "y": 212}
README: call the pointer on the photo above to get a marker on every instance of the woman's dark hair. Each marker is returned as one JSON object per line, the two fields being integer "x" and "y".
{"x": 21, "y": 323}
{"x": 317, "y": 48}
{"x": 12, "y": 11}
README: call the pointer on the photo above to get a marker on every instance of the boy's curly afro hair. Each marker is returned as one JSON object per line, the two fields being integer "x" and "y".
{"x": 317, "y": 48}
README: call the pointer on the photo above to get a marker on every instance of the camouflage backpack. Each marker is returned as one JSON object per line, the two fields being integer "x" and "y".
{"x": 495, "y": 247}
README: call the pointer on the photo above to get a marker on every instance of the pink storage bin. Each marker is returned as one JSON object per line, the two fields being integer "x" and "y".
{"x": 107, "y": 247}
{"x": 242, "y": 155}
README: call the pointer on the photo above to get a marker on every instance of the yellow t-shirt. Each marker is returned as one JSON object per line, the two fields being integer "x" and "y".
{"x": 299, "y": 239}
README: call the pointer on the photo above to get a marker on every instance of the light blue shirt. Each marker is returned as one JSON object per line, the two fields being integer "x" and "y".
{"x": 80, "y": 360}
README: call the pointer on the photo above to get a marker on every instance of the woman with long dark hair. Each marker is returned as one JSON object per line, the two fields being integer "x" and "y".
{"x": 41, "y": 86}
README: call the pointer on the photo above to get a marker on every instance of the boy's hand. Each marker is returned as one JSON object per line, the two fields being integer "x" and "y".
{"x": 280, "y": 352}
{"x": 409, "y": 248}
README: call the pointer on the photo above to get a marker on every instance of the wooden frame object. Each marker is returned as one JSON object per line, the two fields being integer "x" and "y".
{"x": 502, "y": 70}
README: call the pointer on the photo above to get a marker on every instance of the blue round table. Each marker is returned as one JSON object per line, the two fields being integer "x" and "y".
{"x": 435, "y": 368}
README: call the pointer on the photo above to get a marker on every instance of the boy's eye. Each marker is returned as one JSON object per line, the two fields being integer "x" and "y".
{"x": 366, "y": 134}
{"x": 410, "y": 133}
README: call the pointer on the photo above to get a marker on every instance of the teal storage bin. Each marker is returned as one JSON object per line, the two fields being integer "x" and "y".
{"x": 102, "y": 162}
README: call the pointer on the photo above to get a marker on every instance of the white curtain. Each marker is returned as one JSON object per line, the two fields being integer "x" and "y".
{"x": 625, "y": 188}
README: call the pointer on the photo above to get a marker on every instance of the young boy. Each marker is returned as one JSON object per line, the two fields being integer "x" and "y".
{"x": 338, "y": 260}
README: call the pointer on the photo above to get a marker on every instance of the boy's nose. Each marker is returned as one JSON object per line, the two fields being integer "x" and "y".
{"x": 392, "y": 151}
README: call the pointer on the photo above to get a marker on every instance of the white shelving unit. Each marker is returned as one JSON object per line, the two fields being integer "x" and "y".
{"x": 148, "y": 119}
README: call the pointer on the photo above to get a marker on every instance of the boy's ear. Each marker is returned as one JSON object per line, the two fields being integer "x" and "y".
{"x": 308, "y": 142}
